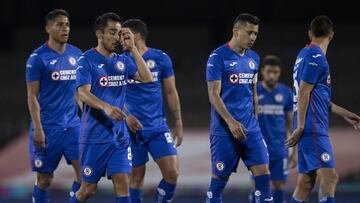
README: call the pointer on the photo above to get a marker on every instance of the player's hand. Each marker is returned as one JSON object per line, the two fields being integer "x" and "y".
{"x": 294, "y": 138}
{"x": 114, "y": 112}
{"x": 353, "y": 119}
{"x": 39, "y": 138}
{"x": 133, "y": 123}
{"x": 127, "y": 39}
{"x": 178, "y": 133}
{"x": 237, "y": 129}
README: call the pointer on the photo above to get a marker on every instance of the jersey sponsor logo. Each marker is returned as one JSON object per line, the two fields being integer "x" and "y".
{"x": 120, "y": 65}
{"x": 63, "y": 75}
{"x": 112, "y": 81}
{"x": 72, "y": 61}
{"x": 271, "y": 109}
{"x": 279, "y": 97}
{"x": 150, "y": 63}
{"x": 232, "y": 64}
{"x": 38, "y": 163}
{"x": 317, "y": 55}
{"x": 220, "y": 166}
{"x": 53, "y": 62}
{"x": 241, "y": 78}
{"x": 87, "y": 171}
{"x": 325, "y": 157}
{"x": 101, "y": 65}
{"x": 252, "y": 64}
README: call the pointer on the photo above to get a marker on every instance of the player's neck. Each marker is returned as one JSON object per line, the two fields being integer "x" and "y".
{"x": 101, "y": 49}
{"x": 141, "y": 46}
{"x": 237, "y": 49}
{"x": 58, "y": 47}
{"x": 267, "y": 86}
{"x": 322, "y": 43}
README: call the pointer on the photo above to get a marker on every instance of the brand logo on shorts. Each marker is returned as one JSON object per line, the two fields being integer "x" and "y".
{"x": 220, "y": 166}
{"x": 325, "y": 157}
{"x": 38, "y": 163}
{"x": 87, "y": 171}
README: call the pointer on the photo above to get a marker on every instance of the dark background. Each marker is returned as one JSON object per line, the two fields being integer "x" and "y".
{"x": 188, "y": 31}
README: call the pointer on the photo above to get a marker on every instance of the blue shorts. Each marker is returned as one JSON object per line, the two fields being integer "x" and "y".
{"x": 159, "y": 144}
{"x": 226, "y": 152}
{"x": 59, "y": 142}
{"x": 314, "y": 152}
{"x": 100, "y": 159}
{"x": 279, "y": 169}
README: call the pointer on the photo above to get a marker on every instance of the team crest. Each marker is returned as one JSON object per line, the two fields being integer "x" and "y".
{"x": 252, "y": 64}
{"x": 87, "y": 171}
{"x": 220, "y": 166}
{"x": 325, "y": 157}
{"x": 72, "y": 61}
{"x": 103, "y": 81}
{"x": 120, "y": 65}
{"x": 38, "y": 163}
{"x": 55, "y": 75}
{"x": 279, "y": 97}
{"x": 150, "y": 63}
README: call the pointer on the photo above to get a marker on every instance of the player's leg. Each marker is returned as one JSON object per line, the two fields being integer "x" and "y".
{"x": 71, "y": 154}
{"x": 85, "y": 191}
{"x": 278, "y": 190}
{"x": 224, "y": 160}
{"x": 305, "y": 183}
{"x": 139, "y": 159}
{"x": 328, "y": 180}
{"x": 40, "y": 191}
{"x": 278, "y": 171}
{"x": 162, "y": 149}
{"x": 121, "y": 187}
{"x": 256, "y": 158}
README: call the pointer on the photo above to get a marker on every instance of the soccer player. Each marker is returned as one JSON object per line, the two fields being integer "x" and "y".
{"x": 231, "y": 75}
{"x": 101, "y": 84}
{"x": 312, "y": 103}
{"x": 147, "y": 122}
{"x": 55, "y": 126}
{"x": 276, "y": 120}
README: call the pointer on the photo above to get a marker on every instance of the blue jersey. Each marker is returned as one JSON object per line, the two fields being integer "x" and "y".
{"x": 312, "y": 67}
{"x": 237, "y": 74}
{"x": 56, "y": 73}
{"x": 273, "y": 106}
{"x": 145, "y": 101}
{"x": 108, "y": 79}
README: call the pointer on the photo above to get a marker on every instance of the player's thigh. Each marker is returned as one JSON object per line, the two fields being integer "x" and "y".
{"x": 225, "y": 155}
{"x": 139, "y": 151}
{"x": 71, "y": 144}
{"x": 278, "y": 169}
{"x": 255, "y": 152}
{"x": 317, "y": 152}
{"x": 120, "y": 160}
{"x": 46, "y": 160}
{"x": 161, "y": 145}
{"x": 94, "y": 158}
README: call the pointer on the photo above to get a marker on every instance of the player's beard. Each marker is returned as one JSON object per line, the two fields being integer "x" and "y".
{"x": 109, "y": 49}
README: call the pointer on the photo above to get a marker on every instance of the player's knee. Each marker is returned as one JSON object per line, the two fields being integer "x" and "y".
{"x": 278, "y": 185}
{"x": 172, "y": 175}
{"x": 306, "y": 185}
{"x": 136, "y": 180}
{"x": 44, "y": 180}
{"x": 330, "y": 179}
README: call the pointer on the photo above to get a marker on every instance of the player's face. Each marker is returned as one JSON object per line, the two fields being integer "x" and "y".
{"x": 271, "y": 74}
{"x": 59, "y": 29}
{"x": 111, "y": 36}
{"x": 245, "y": 35}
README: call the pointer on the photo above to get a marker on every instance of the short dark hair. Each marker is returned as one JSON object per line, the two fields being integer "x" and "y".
{"x": 246, "y": 18}
{"x": 101, "y": 21}
{"x": 321, "y": 26}
{"x": 137, "y": 26}
{"x": 55, "y": 13}
{"x": 271, "y": 60}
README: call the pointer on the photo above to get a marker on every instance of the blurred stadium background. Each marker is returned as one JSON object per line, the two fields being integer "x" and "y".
{"x": 188, "y": 31}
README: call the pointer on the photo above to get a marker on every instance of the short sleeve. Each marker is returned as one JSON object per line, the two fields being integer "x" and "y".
{"x": 312, "y": 68}
{"x": 167, "y": 70}
{"x": 131, "y": 67}
{"x": 83, "y": 72}
{"x": 34, "y": 68}
{"x": 213, "y": 67}
{"x": 289, "y": 101}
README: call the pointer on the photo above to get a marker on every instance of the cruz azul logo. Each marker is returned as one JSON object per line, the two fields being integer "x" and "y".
{"x": 61, "y": 75}
{"x": 241, "y": 78}
{"x": 112, "y": 81}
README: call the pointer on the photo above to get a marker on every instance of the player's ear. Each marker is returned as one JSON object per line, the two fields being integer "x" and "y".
{"x": 99, "y": 34}
{"x": 310, "y": 35}
{"x": 47, "y": 28}
{"x": 331, "y": 36}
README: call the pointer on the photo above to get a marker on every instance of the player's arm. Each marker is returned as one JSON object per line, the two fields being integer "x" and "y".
{"x": 34, "y": 109}
{"x": 78, "y": 101}
{"x": 173, "y": 102}
{"x": 91, "y": 100}
{"x": 302, "y": 106}
{"x": 236, "y": 128}
{"x": 143, "y": 73}
{"x": 350, "y": 117}
{"x": 255, "y": 99}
